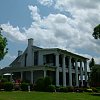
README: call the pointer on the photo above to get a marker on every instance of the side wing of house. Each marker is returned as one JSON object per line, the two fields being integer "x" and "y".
{"x": 28, "y": 57}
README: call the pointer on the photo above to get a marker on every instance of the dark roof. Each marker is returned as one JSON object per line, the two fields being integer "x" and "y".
{"x": 15, "y": 61}
{"x": 65, "y": 51}
{"x": 35, "y": 47}
{"x": 38, "y": 48}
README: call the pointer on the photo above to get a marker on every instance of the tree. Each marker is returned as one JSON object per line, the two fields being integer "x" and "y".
{"x": 96, "y": 33}
{"x": 3, "y": 44}
{"x": 95, "y": 76}
{"x": 92, "y": 63}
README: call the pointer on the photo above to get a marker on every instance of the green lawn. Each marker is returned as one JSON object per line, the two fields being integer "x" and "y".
{"x": 46, "y": 96}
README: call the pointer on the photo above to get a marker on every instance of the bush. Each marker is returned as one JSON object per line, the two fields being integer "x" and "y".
{"x": 63, "y": 89}
{"x": 70, "y": 89}
{"x": 47, "y": 81}
{"x": 57, "y": 89}
{"x": 3, "y": 80}
{"x": 24, "y": 86}
{"x": 81, "y": 89}
{"x": 16, "y": 86}
{"x": 39, "y": 85}
{"x": 51, "y": 88}
{"x": 94, "y": 89}
{"x": 76, "y": 89}
{"x": 1, "y": 85}
{"x": 98, "y": 88}
{"x": 8, "y": 86}
{"x": 42, "y": 84}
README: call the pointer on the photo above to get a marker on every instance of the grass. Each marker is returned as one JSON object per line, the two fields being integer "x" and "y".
{"x": 19, "y": 95}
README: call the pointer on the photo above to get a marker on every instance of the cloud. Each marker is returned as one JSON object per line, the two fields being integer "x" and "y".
{"x": 46, "y": 2}
{"x": 76, "y": 4}
{"x": 34, "y": 13}
{"x": 58, "y": 30}
{"x": 13, "y": 33}
{"x": 97, "y": 60}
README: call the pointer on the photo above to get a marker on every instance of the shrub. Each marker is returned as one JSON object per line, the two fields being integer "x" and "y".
{"x": 17, "y": 86}
{"x": 47, "y": 81}
{"x": 63, "y": 89}
{"x": 42, "y": 84}
{"x": 1, "y": 85}
{"x": 57, "y": 89}
{"x": 70, "y": 89}
{"x": 98, "y": 88}
{"x": 3, "y": 80}
{"x": 76, "y": 89}
{"x": 39, "y": 85}
{"x": 24, "y": 86}
{"x": 51, "y": 88}
{"x": 94, "y": 89}
{"x": 81, "y": 89}
{"x": 8, "y": 86}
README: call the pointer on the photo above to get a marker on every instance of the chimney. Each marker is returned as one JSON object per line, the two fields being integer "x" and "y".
{"x": 30, "y": 42}
{"x": 19, "y": 53}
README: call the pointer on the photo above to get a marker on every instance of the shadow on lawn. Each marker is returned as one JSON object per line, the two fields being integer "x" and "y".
{"x": 95, "y": 94}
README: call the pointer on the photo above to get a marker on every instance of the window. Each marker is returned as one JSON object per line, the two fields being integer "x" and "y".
{"x": 25, "y": 59}
{"x": 36, "y": 58}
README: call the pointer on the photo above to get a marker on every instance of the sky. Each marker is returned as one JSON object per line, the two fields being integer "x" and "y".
{"x": 67, "y": 24}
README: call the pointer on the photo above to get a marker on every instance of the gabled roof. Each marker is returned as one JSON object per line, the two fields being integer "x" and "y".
{"x": 35, "y": 47}
{"x": 15, "y": 61}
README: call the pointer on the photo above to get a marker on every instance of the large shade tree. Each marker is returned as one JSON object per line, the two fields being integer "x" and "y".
{"x": 3, "y": 44}
{"x": 91, "y": 63}
{"x": 95, "y": 70}
{"x": 95, "y": 76}
{"x": 96, "y": 33}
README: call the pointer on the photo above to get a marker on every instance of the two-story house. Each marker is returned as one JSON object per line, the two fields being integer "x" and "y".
{"x": 62, "y": 66}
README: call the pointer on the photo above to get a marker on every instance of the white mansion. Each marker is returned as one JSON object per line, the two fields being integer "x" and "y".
{"x": 62, "y": 66}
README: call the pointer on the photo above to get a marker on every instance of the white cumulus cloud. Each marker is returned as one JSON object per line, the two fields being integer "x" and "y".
{"x": 58, "y": 30}
{"x": 34, "y": 13}
{"x": 13, "y": 33}
{"x": 46, "y": 2}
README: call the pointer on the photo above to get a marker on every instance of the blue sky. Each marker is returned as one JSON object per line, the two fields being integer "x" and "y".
{"x": 67, "y": 24}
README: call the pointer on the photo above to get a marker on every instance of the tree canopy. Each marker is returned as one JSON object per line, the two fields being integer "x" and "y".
{"x": 91, "y": 63}
{"x": 96, "y": 33}
{"x": 95, "y": 76}
{"x": 3, "y": 44}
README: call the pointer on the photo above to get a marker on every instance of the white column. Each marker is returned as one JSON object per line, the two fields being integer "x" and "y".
{"x": 32, "y": 77}
{"x": 81, "y": 73}
{"x": 70, "y": 72}
{"x": 76, "y": 72}
{"x": 44, "y": 73}
{"x": 57, "y": 69}
{"x": 64, "y": 71}
{"x": 85, "y": 69}
{"x": 40, "y": 60}
{"x": 21, "y": 75}
{"x": 11, "y": 77}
